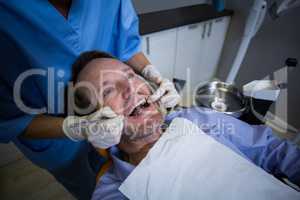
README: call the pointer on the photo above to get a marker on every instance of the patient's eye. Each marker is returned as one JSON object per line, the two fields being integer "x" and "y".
{"x": 108, "y": 91}
{"x": 130, "y": 75}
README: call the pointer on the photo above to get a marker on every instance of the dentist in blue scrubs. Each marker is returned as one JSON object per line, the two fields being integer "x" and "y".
{"x": 40, "y": 39}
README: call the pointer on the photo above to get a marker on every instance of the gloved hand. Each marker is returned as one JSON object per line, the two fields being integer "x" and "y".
{"x": 166, "y": 92}
{"x": 102, "y": 129}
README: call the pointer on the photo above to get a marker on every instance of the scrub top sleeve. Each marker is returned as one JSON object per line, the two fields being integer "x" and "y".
{"x": 129, "y": 42}
{"x": 13, "y": 121}
{"x": 10, "y": 129}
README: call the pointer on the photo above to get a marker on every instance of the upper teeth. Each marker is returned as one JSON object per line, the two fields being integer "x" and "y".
{"x": 143, "y": 101}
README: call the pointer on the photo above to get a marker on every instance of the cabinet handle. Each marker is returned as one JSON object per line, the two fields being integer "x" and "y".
{"x": 209, "y": 29}
{"x": 148, "y": 45}
{"x": 193, "y": 26}
{"x": 219, "y": 19}
{"x": 204, "y": 31}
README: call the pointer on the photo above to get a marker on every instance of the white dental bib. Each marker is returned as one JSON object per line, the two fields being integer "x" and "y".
{"x": 188, "y": 164}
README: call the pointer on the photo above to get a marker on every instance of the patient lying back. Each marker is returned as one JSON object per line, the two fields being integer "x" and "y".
{"x": 114, "y": 84}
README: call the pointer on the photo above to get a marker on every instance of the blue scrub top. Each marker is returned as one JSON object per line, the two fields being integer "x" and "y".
{"x": 34, "y": 35}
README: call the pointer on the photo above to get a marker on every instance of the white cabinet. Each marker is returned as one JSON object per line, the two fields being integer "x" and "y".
{"x": 189, "y": 52}
{"x": 160, "y": 49}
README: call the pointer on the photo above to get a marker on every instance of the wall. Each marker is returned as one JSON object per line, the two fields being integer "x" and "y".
{"x": 144, "y": 6}
{"x": 275, "y": 41}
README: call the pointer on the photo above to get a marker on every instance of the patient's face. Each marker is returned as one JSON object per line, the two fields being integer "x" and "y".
{"x": 119, "y": 87}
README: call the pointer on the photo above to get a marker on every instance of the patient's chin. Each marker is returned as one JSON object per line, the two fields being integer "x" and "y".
{"x": 135, "y": 146}
{"x": 143, "y": 126}
{"x": 139, "y": 133}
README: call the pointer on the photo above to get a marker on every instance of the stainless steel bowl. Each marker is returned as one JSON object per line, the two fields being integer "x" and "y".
{"x": 221, "y": 97}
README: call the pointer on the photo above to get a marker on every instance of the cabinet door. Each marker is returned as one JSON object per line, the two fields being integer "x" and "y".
{"x": 189, "y": 52}
{"x": 160, "y": 49}
{"x": 214, "y": 41}
{"x": 188, "y": 57}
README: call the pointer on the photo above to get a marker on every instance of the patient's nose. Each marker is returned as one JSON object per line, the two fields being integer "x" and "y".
{"x": 143, "y": 91}
{"x": 141, "y": 87}
{"x": 126, "y": 93}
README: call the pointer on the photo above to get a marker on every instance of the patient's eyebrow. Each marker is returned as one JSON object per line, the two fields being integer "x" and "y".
{"x": 126, "y": 70}
{"x": 106, "y": 83}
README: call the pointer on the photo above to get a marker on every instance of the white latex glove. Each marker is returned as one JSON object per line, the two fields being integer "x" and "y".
{"x": 166, "y": 91}
{"x": 102, "y": 129}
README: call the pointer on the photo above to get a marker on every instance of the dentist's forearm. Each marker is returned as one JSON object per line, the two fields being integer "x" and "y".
{"x": 45, "y": 127}
{"x": 138, "y": 62}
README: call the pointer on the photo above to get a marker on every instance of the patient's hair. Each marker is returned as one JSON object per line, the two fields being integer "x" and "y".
{"x": 84, "y": 59}
{"x": 80, "y": 98}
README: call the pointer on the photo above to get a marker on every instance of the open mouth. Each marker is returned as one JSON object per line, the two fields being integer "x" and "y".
{"x": 142, "y": 121}
{"x": 138, "y": 109}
